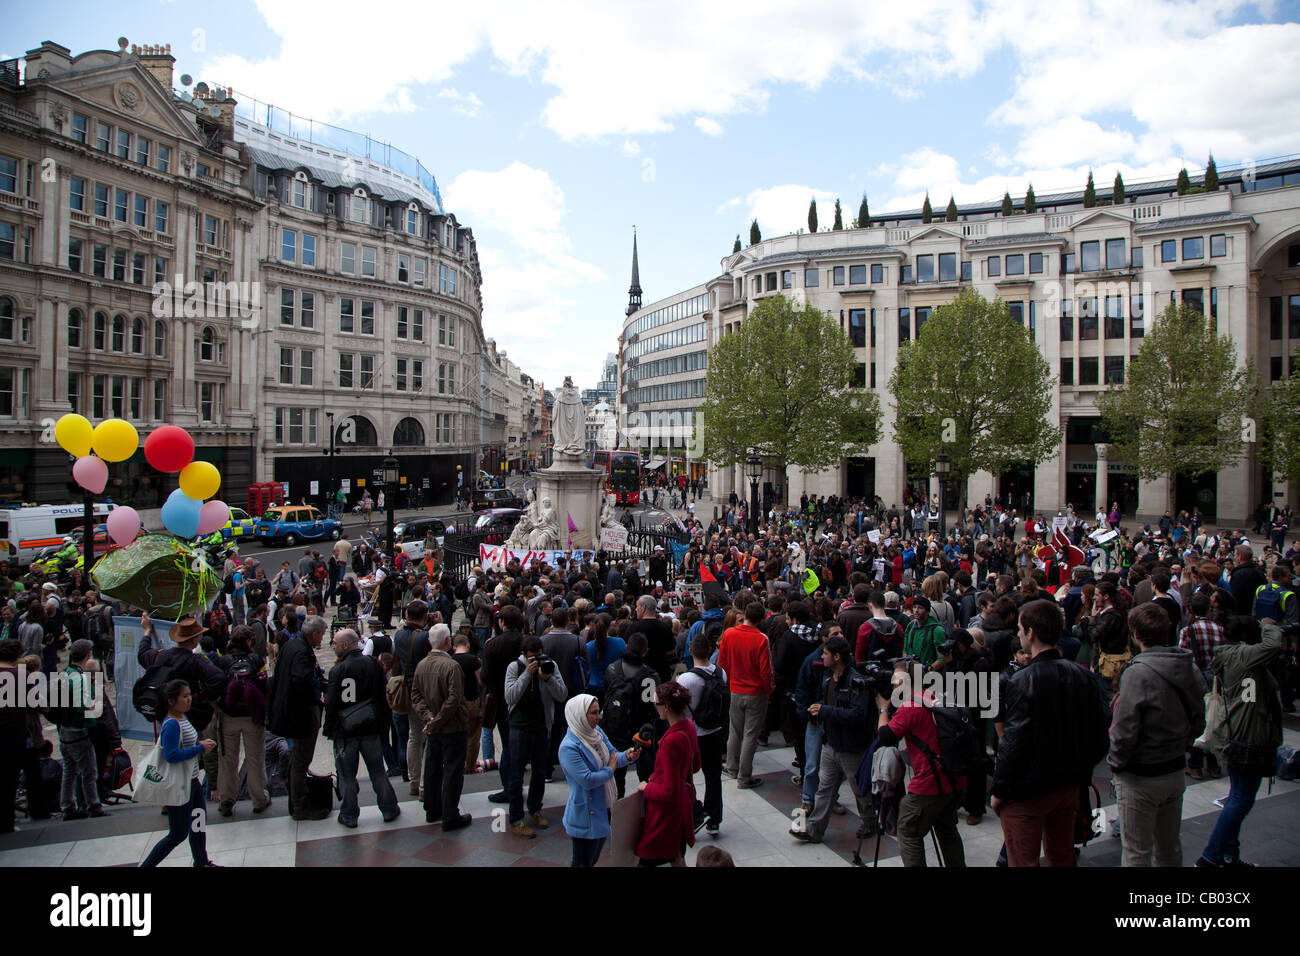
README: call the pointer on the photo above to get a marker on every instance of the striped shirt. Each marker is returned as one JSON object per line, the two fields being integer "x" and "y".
{"x": 190, "y": 738}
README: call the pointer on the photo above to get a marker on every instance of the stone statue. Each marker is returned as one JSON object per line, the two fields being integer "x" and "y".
{"x": 607, "y": 519}
{"x": 527, "y": 522}
{"x": 568, "y": 422}
{"x": 545, "y": 535}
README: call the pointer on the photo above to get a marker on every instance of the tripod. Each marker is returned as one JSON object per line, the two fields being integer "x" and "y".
{"x": 880, "y": 830}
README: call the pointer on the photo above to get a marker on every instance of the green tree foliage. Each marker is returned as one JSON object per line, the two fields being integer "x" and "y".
{"x": 1089, "y": 193}
{"x": 1117, "y": 191}
{"x": 1008, "y": 207}
{"x": 975, "y": 378}
{"x": 755, "y": 236}
{"x": 839, "y": 217}
{"x": 1180, "y": 409}
{"x": 926, "y": 212}
{"x": 812, "y": 215}
{"x": 950, "y": 214}
{"x": 1211, "y": 175}
{"x": 1184, "y": 182}
{"x": 864, "y": 214}
{"x": 1277, "y": 417}
{"x": 782, "y": 384}
{"x": 1031, "y": 201}
{"x": 736, "y": 247}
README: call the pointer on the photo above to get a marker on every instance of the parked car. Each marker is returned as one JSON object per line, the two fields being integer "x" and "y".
{"x": 499, "y": 521}
{"x": 411, "y": 534}
{"x": 293, "y": 523}
{"x": 496, "y": 498}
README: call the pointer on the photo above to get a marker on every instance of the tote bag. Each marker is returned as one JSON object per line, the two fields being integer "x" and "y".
{"x": 1215, "y": 738}
{"x": 161, "y": 783}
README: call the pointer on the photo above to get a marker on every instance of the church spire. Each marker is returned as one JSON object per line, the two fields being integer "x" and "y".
{"x": 634, "y": 291}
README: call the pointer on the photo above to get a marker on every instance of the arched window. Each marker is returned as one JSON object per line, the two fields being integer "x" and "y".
{"x": 137, "y": 336}
{"x": 359, "y": 429}
{"x": 408, "y": 432}
{"x": 360, "y": 205}
{"x": 119, "y": 333}
{"x": 206, "y": 343}
{"x": 159, "y": 338}
{"x": 76, "y": 322}
{"x": 101, "y": 330}
{"x": 301, "y": 190}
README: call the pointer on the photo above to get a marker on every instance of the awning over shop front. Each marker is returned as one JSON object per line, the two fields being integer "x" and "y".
{"x": 655, "y": 463}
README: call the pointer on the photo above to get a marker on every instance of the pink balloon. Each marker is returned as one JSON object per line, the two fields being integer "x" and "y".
{"x": 212, "y": 516}
{"x": 123, "y": 525}
{"x": 91, "y": 473}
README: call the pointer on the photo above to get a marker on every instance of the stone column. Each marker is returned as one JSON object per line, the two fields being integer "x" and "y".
{"x": 1102, "y": 476}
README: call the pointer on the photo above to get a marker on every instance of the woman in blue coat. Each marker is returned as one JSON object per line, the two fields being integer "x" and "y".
{"x": 589, "y": 761}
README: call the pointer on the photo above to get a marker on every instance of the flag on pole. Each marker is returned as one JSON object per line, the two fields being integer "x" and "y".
{"x": 708, "y": 583}
{"x": 572, "y": 528}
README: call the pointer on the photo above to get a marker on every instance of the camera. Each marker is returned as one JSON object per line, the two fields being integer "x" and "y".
{"x": 545, "y": 664}
{"x": 880, "y": 677}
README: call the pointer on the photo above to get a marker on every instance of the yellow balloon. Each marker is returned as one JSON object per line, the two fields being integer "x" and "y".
{"x": 115, "y": 440}
{"x": 200, "y": 480}
{"x": 73, "y": 432}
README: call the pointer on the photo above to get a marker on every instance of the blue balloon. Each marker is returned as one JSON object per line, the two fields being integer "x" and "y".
{"x": 180, "y": 514}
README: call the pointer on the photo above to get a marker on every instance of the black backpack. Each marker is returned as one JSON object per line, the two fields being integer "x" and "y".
{"x": 147, "y": 692}
{"x": 246, "y": 690}
{"x": 714, "y": 710}
{"x": 621, "y": 710}
{"x": 960, "y": 750}
{"x": 462, "y": 591}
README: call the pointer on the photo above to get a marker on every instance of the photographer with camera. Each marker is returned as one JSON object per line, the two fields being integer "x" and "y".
{"x": 533, "y": 688}
{"x": 933, "y": 795}
{"x": 843, "y": 711}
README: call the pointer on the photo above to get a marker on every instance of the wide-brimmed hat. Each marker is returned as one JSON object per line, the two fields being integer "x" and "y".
{"x": 186, "y": 629}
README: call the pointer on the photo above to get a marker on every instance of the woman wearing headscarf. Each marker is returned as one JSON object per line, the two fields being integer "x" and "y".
{"x": 589, "y": 761}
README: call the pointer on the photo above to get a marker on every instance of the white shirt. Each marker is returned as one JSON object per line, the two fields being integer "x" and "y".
{"x": 694, "y": 684}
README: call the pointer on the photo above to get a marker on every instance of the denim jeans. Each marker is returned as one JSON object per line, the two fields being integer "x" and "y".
{"x": 402, "y": 725}
{"x": 79, "y": 764}
{"x": 587, "y": 852}
{"x": 181, "y": 825}
{"x": 1225, "y": 841}
{"x": 487, "y": 745}
{"x": 347, "y": 750}
{"x": 527, "y": 746}
{"x": 812, "y": 748}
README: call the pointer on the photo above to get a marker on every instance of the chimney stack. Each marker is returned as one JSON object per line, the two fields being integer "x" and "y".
{"x": 220, "y": 98}
{"x": 158, "y": 60}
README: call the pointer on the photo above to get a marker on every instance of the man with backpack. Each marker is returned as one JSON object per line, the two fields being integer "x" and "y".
{"x": 878, "y": 633}
{"x": 710, "y": 709}
{"x": 939, "y": 758}
{"x": 924, "y": 634}
{"x": 1055, "y": 733}
{"x": 842, "y": 710}
{"x": 628, "y": 706}
{"x": 243, "y": 718}
{"x": 709, "y": 624}
{"x": 1275, "y": 601}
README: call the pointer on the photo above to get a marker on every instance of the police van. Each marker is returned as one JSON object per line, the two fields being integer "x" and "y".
{"x": 25, "y": 532}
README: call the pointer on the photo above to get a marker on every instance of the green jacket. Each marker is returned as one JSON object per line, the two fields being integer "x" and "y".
{"x": 1249, "y": 688}
{"x": 79, "y": 684}
{"x": 922, "y": 641}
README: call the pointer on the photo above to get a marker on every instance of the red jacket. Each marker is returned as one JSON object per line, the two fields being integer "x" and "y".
{"x": 746, "y": 657}
{"x": 670, "y": 795}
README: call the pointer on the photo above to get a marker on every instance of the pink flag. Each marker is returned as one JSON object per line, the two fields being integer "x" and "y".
{"x": 572, "y": 527}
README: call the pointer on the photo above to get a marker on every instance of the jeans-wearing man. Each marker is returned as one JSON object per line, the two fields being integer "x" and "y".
{"x": 356, "y": 713}
{"x": 532, "y": 695}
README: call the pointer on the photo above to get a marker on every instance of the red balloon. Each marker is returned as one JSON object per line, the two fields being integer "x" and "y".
{"x": 169, "y": 448}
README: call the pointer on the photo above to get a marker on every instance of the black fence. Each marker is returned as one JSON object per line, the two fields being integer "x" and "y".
{"x": 460, "y": 552}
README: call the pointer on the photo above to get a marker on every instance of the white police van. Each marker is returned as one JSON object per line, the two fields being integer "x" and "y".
{"x": 26, "y": 532}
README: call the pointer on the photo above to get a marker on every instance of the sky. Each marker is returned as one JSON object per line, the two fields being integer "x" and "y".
{"x": 556, "y": 128}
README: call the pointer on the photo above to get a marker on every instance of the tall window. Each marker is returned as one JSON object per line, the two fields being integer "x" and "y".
{"x": 417, "y": 325}
{"x": 76, "y": 194}
{"x": 100, "y": 331}
{"x": 924, "y": 268}
{"x": 403, "y": 267}
{"x": 101, "y": 201}
{"x": 1115, "y": 254}
{"x": 75, "y": 320}
{"x": 1089, "y": 256}
{"x": 123, "y": 144}
{"x": 288, "y": 245}
{"x": 1136, "y": 317}
{"x": 300, "y": 191}
{"x": 307, "y": 310}
{"x": 1169, "y": 250}
{"x": 142, "y": 150}
{"x": 403, "y": 321}
{"x": 119, "y": 333}
{"x": 994, "y": 267}
{"x": 137, "y": 336}
{"x": 345, "y": 369}
{"x": 286, "y": 307}
{"x": 306, "y": 366}
{"x": 367, "y": 317}
{"x": 99, "y": 396}
{"x": 348, "y": 258}
{"x": 1114, "y": 317}
{"x": 904, "y": 325}
{"x": 1087, "y": 323}
{"x": 418, "y": 267}
{"x": 160, "y": 217}
{"x": 121, "y": 204}
{"x": 947, "y": 268}
{"x": 74, "y": 255}
{"x": 164, "y": 158}
{"x": 308, "y": 249}
{"x": 159, "y": 399}
{"x": 103, "y": 137}
{"x": 1067, "y": 321}
{"x": 141, "y": 217}
{"x": 401, "y": 375}
{"x": 1035, "y": 263}
{"x": 346, "y": 316}
{"x": 367, "y": 260}
{"x": 1016, "y": 265}
{"x": 207, "y": 343}
{"x": 878, "y": 271}
{"x": 858, "y": 328}
{"x": 837, "y": 275}
{"x": 286, "y": 366}
{"x": 366, "y": 379}
{"x": 159, "y": 338}
{"x": 79, "y": 126}
{"x": 858, "y": 274}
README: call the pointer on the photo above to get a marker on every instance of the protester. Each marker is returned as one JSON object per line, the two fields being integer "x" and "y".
{"x": 669, "y": 793}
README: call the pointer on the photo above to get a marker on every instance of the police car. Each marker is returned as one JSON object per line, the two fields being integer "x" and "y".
{"x": 26, "y": 532}
{"x": 240, "y": 525}
{"x": 293, "y": 523}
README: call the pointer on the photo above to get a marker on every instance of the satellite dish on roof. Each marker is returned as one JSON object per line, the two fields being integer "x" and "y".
{"x": 201, "y": 89}
{"x": 186, "y": 79}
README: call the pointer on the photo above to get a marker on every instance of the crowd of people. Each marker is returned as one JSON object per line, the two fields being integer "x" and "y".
{"x": 815, "y": 627}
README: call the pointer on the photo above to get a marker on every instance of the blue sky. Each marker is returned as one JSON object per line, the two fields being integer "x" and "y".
{"x": 553, "y": 128}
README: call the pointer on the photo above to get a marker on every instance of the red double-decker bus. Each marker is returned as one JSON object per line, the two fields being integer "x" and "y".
{"x": 622, "y": 475}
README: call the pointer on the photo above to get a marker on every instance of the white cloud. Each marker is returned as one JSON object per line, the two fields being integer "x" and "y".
{"x": 783, "y": 209}
{"x": 530, "y": 269}
{"x": 709, "y": 127}
{"x": 466, "y": 104}
{"x": 1187, "y": 76}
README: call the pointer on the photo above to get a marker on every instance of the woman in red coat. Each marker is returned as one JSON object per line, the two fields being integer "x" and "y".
{"x": 669, "y": 793}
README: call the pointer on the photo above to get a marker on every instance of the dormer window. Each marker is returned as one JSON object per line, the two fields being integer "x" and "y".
{"x": 412, "y": 219}
{"x": 300, "y": 190}
{"x": 360, "y": 205}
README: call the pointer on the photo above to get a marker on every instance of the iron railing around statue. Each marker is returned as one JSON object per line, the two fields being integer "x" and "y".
{"x": 460, "y": 551}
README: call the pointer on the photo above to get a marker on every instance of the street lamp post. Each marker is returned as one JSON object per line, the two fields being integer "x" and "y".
{"x": 942, "y": 468}
{"x": 329, "y": 488}
{"x": 755, "y": 472}
{"x": 391, "y": 474}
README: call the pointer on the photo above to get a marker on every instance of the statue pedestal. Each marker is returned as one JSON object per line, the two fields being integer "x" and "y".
{"x": 578, "y": 491}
